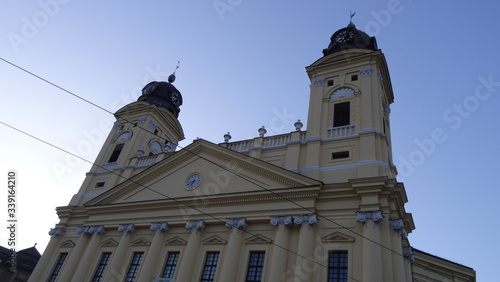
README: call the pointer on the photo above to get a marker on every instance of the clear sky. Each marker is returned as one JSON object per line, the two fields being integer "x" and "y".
{"x": 242, "y": 66}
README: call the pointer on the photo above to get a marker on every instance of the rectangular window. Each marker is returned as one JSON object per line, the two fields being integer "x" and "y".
{"x": 340, "y": 155}
{"x": 354, "y": 77}
{"x": 58, "y": 267}
{"x": 116, "y": 153}
{"x": 134, "y": 267}
{"x": 168, "y": 271}
{"x": 341, "y": 114}
{"x": 337, "y": 267}
{"x": 210, "y": 266}
{"x": 329, "y": 82}
{"x": 99, "y": 273}
{"x": 255, "y": 267}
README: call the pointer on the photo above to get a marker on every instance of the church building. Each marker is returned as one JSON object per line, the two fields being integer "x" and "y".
{"x": 321, "y": 204}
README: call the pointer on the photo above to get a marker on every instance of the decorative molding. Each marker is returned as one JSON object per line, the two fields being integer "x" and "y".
{"x": 337, "y": 237}
{"x": 162, "y": 226}
{"x": 379, "y": 76}
{"x": 91, "y": 229}
{"x": 214, "y": 240}
{"x": 408, "y": 253}
{"x": 67, "y": 243}
{"x": 152, "y": 124}
{"x": 195, "y": 225}
{"x": 398, "y": 226}
{"x": 109, "y": 242}
{"x": 238, "y": 223}
{"x": 319, "y": 81}
{"x": 123, "y": 228}
{"x": 141, "y": 242}
{"x": 141, "y": 121}
{"x": 56, "y": 232}
{"x": 342, "y": 92}
{"x": 375, "y": 216}
{"x": 258, "y": 239}
{"x": 308, "y": 218}
{"x": 283, "y": 220}
{"x": 176, "y": 241}
{"x": 365, "y": 71}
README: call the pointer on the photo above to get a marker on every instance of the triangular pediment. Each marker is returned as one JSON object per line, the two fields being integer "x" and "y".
{"x": 175, "y": 241}
{"x": 141, "y": 242}
{"x": 258, "y": 239}
{"x": 67, "y": 243}
{"x": 214, "y": 239}
{"x": 109, "y": 243}
{"x": 222, "y": 173}
{"x": 337, "y": 237}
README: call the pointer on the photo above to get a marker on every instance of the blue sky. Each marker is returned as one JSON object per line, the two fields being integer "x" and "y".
{"x": 242, "y": 66}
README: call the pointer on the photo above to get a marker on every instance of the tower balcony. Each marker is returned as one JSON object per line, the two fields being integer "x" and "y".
{"x": 275, "y": 141}
{"x": 340, "y": 131}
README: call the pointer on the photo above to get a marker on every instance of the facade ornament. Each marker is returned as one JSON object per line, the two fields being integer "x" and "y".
{"x": 126, "y": 228}
{"x": 162, "y": 226}
{"x": 262, "y": 131}
{"x": 379, "y": 76}
{"x": 195, "y": 225}
{"x": 116, "y": 126}
{"x": 284, "y": 220}
{"x": 366, "y": 71}
{"x": 408, "y": 253}
{"x": 298, "y": 125}
{"x": 227, "y": 137}
{"x": 319, "y": 81}
{"x": 91, "y": 229}
{"x": 56, "y": 232}
{"x": 141, "y": 121}
{"x": 170, "y": 146}
{"x": 152, "y": 124}
{"x": 398, "y": 226}
{"x": 309, "y": 219}
{"x": 375, "y": 216}
{"x": 238, "y": 223}
{"x": 342, "y": 92}
{"x": 140, "y": 152}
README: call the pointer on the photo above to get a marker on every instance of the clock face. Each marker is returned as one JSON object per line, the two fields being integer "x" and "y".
{"x": 176, "y": 98}
{"x": 344, "y": 36}
{"x": 193, "y": 181}
{"x": 149, "y": 88}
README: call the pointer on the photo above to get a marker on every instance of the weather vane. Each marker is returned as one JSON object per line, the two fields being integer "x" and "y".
{"x": 351, "y": 15}
{"x": 171, "y": 78}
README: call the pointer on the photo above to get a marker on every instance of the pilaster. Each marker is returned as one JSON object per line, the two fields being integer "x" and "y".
{"x": 231, "y": 256}
{"x": 116, "y": 267}
{"x": 42, "y": 267}
{"x": 372, "y": 248}
{"x": 196, "y": 227}
{"x": 147, "y": 272}
{"x": 280, "y": 247}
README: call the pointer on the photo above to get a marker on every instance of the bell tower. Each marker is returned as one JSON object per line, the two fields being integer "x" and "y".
{"x": 348, "y": 121}
{"x": 145, "y": 132}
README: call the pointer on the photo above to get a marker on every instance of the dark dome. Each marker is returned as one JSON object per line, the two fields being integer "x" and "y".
{"x": 162, "y": 94}
{"x": 350, "y": 38}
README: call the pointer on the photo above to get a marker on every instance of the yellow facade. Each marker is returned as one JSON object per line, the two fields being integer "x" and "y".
{"x": 291, "y": 207}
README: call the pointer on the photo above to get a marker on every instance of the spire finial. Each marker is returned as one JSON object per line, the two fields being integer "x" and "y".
{"x": 171, "y": 78}
{"x": 351, "y": 15}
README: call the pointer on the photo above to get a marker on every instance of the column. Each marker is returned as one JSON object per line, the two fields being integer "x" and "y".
{"x": 306, "y": 244}
{"x": 372, "y": 249}
{"x": 43, "y": 264}
{"x": 399, "y": 231}
{"x": 231, "y": 258}
{"x": 410, "y": 258}
{"x": 90, "y": 253}
{"x": 153, "y": 254}
{"x": 74, "y": 256}
{"x": 191, "y": 251}
{"x": 280, "y": 247}
{"x": 116, "y": 269}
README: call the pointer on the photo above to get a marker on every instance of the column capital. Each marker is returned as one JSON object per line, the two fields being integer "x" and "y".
{"x": 195, "y": 224}
{"x": 375, "y": 216}
{"x": 99, "y": 229}
{"x": 398, "y": 226}
{"x": 162, "y": 226}
{"x": 238, "y": 223}
{"x": 124, "y": 228}
{"x": 308, "y": 218}
{"x": 284, "y": 220}
{"x": 408, "y": 253}
{"x": 56, "y": 232}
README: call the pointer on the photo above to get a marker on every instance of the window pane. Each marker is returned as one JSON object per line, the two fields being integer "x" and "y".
{"x": 99, "y": 273}
{"x": 337, "y": 267}
{"x": 210, "y": 267}
{"x": 255, "y": 266}
{"x": 134, "y": 267}
{"x": 168, "y": 271}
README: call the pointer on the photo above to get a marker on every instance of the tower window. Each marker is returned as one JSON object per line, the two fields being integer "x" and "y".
{"x": 341, "y": 114}
{"x": 340, "y": 155}
{"x": 354, "y": 77}
{"x": 329, "y": 82}
{"x": 99, "y": 184}
{"x": 116, "y": 153}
